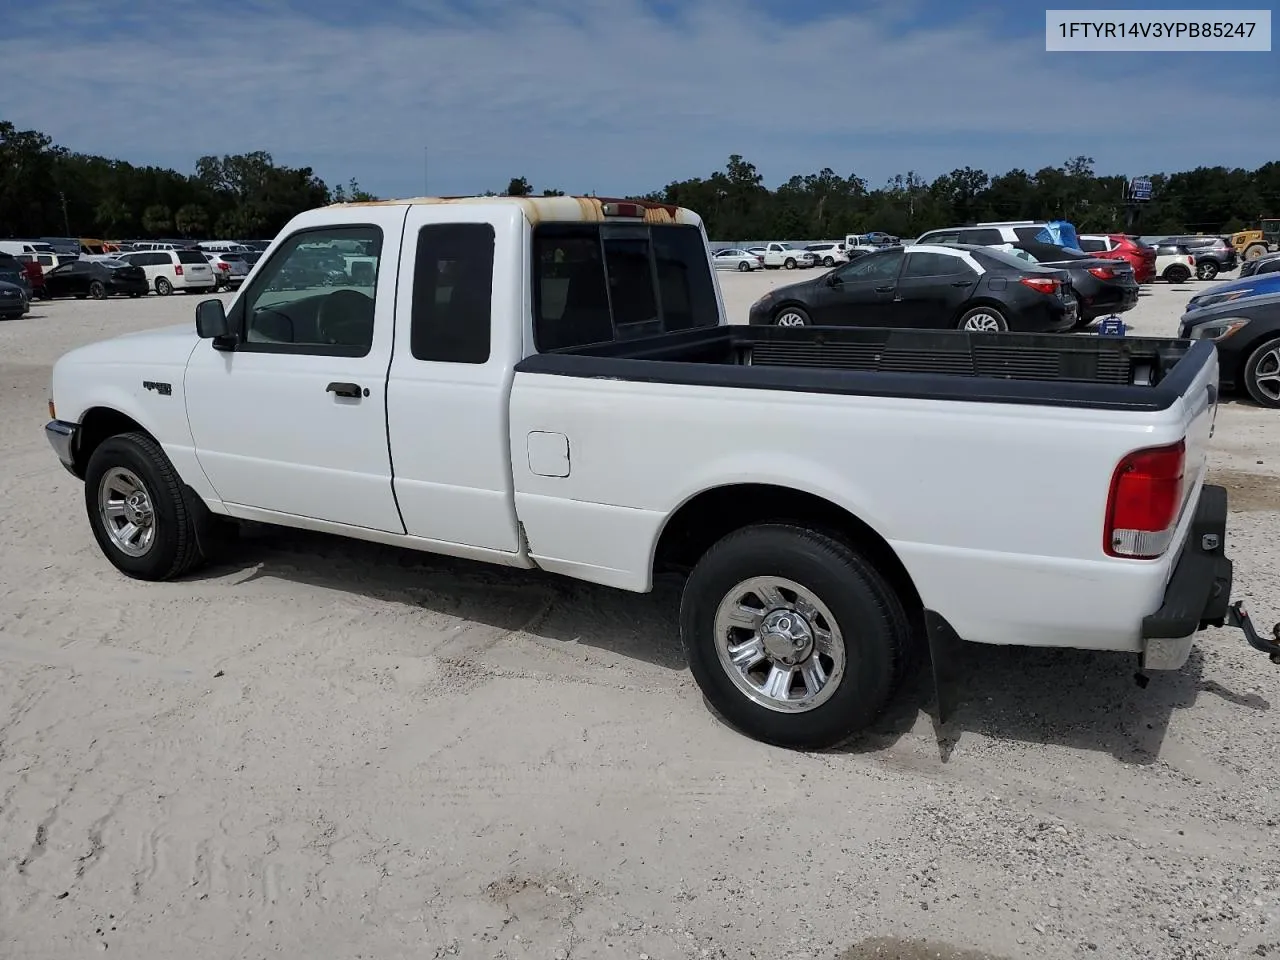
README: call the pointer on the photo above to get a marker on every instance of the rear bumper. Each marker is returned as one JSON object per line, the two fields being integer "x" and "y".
{"x": 1198, "y": 594}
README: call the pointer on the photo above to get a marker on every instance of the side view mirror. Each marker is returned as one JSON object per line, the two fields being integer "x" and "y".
{"x": 211, "y": 320}
{"x": 833, "y": 280}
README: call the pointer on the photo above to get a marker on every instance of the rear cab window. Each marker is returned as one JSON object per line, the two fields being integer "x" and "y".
{"x": 599, "y": 282}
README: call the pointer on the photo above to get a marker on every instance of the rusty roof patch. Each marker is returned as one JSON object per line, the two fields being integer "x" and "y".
{"x": 537, "y": 209}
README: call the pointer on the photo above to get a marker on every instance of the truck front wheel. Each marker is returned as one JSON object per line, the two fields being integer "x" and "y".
{"x": 793, "y": 637}
{"x": 140, "y": 516}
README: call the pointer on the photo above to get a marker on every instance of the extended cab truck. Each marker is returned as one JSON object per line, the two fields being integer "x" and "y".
{"x": 551, "y": 383}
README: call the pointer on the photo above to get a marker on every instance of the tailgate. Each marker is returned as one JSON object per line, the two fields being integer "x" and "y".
{"x": 1199, "y": 412}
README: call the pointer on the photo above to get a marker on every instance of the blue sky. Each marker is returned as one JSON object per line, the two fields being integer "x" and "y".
{"x": 620, "y": 96}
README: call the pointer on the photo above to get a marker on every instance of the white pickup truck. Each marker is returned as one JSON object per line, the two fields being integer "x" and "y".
{"x": 551, "y": 383}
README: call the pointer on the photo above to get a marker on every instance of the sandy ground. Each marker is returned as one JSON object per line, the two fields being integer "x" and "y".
{"x": 327, "y": 749}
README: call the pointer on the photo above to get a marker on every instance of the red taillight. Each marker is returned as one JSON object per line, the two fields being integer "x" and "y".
{"x": 224, "y": 266}
{"x": 1142, "y": 508}
{"x": 1040, "y": 284}
{"x": 1103, "y": 273}
{"x": 1191, "y": 261}
{"x": 178, "y": 269}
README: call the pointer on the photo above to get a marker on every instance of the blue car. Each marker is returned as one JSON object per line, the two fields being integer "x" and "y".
{"x": 1234, "y": 290}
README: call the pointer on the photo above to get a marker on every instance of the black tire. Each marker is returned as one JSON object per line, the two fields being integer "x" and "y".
{"x": 872, "y": 623}
{"x": 1265, "y": 359}
{"x": 789, "y": 263}
{"x": 744, "y": 267}
{"x": 180, "y": 523}
{"x": 98, "y": 290}
{"x": 1177, "y": 274}
{"x": 828, "y": 261}
{"x": 794, "y": 317}
{"x": 971, "y": 316}
{"x": 163, "y": 286}
{"x": 1206, "y": 270}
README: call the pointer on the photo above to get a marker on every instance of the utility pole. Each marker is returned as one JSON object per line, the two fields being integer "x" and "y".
{"x": 426, "y": 191}
{"x": 66, "y": 220}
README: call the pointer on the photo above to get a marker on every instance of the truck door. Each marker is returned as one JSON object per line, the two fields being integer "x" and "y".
{"x": 292, "y": 418}
{"x": 462, "y": 312}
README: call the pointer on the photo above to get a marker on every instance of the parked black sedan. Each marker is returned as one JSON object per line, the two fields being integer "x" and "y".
{"x": 1267, "y": 263}
{"x": 95, "y": 278}
{"x": 1103, "y": 287}
{"x": 928, "y": 286}
{"x": 14, "y": 301}
{"x": 1247, "y": 334}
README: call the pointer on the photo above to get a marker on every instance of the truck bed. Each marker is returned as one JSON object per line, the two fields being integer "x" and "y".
{"x": 1132, "y": 373}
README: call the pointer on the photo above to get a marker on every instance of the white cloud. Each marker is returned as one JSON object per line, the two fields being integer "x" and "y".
{"x": 601, "y": 94}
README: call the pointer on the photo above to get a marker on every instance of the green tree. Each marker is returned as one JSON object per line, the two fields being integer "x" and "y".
{"x": 157, "y": 219}
{"x": 518, "y": 187}
{"x": 191, "y": 220}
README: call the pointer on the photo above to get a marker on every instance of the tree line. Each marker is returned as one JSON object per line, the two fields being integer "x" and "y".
{"x": 47, "y": 190}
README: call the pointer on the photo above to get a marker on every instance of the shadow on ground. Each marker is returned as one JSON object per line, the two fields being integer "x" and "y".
{"x": 1081, "y": 699}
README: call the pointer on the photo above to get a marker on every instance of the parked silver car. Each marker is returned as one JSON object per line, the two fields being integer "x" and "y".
{"x": 735, "y": 259}
{"x": 230, "y": 269}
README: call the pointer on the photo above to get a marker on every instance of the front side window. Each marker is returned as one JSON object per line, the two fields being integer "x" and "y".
{"x": 595, "y": 283}
{"x": 311, "y": 298}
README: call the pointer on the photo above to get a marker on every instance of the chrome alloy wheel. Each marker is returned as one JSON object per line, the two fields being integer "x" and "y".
{"x": 983, "y": 323}
{"x": 127, "y": 513}
{"x": 789, "y": 318}
{"x": 1266, "y": 375}
{"x": 779, "y": 644}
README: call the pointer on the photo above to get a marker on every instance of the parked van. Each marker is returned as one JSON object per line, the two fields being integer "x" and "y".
{"x": 16, "y": 247}
{"x": 170, "y": 270}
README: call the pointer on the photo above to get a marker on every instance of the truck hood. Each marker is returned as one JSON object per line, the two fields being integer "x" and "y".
{"x": 163, "y": 345}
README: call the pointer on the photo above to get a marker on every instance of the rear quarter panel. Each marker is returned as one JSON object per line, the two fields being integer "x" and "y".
{"x": 996, "y": 510}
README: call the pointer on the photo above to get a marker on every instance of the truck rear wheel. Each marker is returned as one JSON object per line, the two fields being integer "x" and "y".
{"x": 138, "y": 510}
{"x": 792, "y": 636}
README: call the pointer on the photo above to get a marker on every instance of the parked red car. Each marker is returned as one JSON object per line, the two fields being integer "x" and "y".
{"x": 1118, "y": 246}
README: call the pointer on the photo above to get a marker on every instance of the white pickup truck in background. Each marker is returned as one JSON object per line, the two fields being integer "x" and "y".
{"x": 550, "y": 383}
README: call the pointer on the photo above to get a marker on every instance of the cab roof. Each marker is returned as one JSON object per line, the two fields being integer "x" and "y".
{"x": 560, "y": 209}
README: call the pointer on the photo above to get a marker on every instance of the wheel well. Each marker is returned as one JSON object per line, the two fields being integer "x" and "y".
{"x": 713, "y": 514}
{"x": 97, "y": 425}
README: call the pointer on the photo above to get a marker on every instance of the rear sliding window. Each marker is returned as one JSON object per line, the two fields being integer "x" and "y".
{"x": 601, "y": 282}
{"x": 453, "y": 293}
{"x": 187, "y": 256}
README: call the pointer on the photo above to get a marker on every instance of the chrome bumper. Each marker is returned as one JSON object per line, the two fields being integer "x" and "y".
{"x": 62, "y": 437}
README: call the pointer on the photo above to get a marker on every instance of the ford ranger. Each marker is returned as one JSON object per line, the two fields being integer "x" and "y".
{"x": 551, "y": 383}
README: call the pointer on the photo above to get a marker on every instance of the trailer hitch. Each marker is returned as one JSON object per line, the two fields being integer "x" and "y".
{"x": 1238, "y": 617}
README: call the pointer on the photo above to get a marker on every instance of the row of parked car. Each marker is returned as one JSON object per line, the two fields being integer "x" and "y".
{"x": 1242, "y": 317}
{"x": 56, "y": 267}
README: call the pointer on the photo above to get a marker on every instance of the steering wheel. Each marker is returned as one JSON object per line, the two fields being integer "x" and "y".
{"x": 345, "y": 317}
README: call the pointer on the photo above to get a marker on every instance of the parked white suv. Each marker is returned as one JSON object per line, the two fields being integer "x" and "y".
{"x": 230, "y": 269}
{"x": 170, "y": 270}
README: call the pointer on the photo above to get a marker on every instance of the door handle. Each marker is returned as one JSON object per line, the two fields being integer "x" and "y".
{"x": 960, "y": 283}
{"x": 888, "y": 289}
{"x": 344, "y": 389}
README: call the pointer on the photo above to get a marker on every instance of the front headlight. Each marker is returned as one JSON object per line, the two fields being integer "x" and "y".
{"x": 1217, "y": 329}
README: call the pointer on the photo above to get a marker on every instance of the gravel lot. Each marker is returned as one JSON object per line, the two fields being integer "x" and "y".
{"x": 331, "y": 749}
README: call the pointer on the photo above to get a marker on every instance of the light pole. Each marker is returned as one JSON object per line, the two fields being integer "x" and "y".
{"x": 425, "y": 167}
